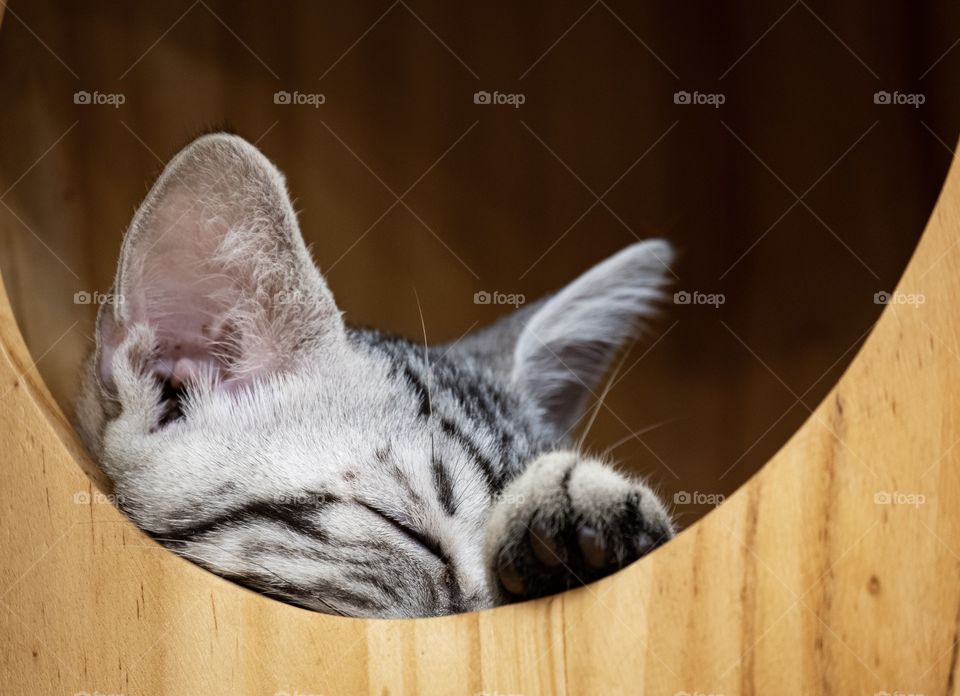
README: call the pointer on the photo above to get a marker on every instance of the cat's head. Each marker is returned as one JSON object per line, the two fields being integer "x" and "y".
{"x": 225, "y": 382}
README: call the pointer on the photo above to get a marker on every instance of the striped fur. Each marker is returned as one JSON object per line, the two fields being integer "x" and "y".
{"x": 340, "y": 469}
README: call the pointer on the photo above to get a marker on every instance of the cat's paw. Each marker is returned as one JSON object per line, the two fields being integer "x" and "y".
{"x": 566, "y": 521}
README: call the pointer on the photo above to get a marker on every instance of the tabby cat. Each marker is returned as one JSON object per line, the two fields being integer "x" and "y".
{"x": 247, "y": 427}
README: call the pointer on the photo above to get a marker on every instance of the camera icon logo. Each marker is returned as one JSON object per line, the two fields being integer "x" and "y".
{"x": 682, "y": 297}
{"x": 81, "y": 97}
{"x": 881, "y": 297}
{"x": 281, "y": 97}
{"x": 482, "y": 297}
{"x": 482, "y": 97}
{"x": 681, "y": 97}
{"x": 882, "y": 97}
{"x": 882, "y": 497}
{"x": 82, "y": 297}
{"x": 681, "y": 498}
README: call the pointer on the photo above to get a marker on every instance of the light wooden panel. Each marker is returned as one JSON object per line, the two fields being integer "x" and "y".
{"x": 836, "y": 569}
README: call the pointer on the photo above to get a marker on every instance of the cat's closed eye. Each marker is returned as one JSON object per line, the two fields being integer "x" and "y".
{"x": 408, "y": 530}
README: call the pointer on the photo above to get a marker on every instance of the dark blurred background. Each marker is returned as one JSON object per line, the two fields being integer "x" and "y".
{"x": 793, "y": 195}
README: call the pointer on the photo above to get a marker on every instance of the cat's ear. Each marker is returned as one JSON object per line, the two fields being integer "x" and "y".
{"x": 215, "y": 264}
{"x": 558, "y": 350}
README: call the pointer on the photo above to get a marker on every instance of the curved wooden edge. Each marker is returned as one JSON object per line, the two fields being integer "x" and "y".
{"x": 17, "y": 358}
{"x": 835, "y": 570}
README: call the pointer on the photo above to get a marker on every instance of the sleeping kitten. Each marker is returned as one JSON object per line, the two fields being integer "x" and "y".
{"x": 248, "y": 428}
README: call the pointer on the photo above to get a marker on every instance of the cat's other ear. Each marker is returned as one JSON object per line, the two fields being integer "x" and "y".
{"x": 214, "y": 262}
{"x": 558, "y": 349}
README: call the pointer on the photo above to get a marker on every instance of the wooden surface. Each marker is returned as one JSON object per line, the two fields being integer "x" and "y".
{"x": 806, "y": 581}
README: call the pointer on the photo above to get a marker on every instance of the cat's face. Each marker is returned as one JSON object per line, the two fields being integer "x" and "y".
{"x": 245, "y": 425}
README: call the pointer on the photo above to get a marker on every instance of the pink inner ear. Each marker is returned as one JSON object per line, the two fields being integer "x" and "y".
{"x": 175, "y": 280}
{"x": 215, "y": 265}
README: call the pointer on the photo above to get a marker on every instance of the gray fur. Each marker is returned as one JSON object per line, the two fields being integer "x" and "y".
{"x": 246, "y": 427}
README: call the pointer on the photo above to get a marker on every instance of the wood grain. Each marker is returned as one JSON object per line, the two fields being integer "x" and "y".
{"x": 835, "y": 570}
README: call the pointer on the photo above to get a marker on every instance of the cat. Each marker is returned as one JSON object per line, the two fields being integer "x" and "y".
{"x": 246, "y": 427}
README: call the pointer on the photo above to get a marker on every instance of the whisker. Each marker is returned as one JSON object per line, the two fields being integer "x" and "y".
{"x": 611, "y": 381}
{"x": 635, "y": 435}
{"x": 426, "y": 358}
